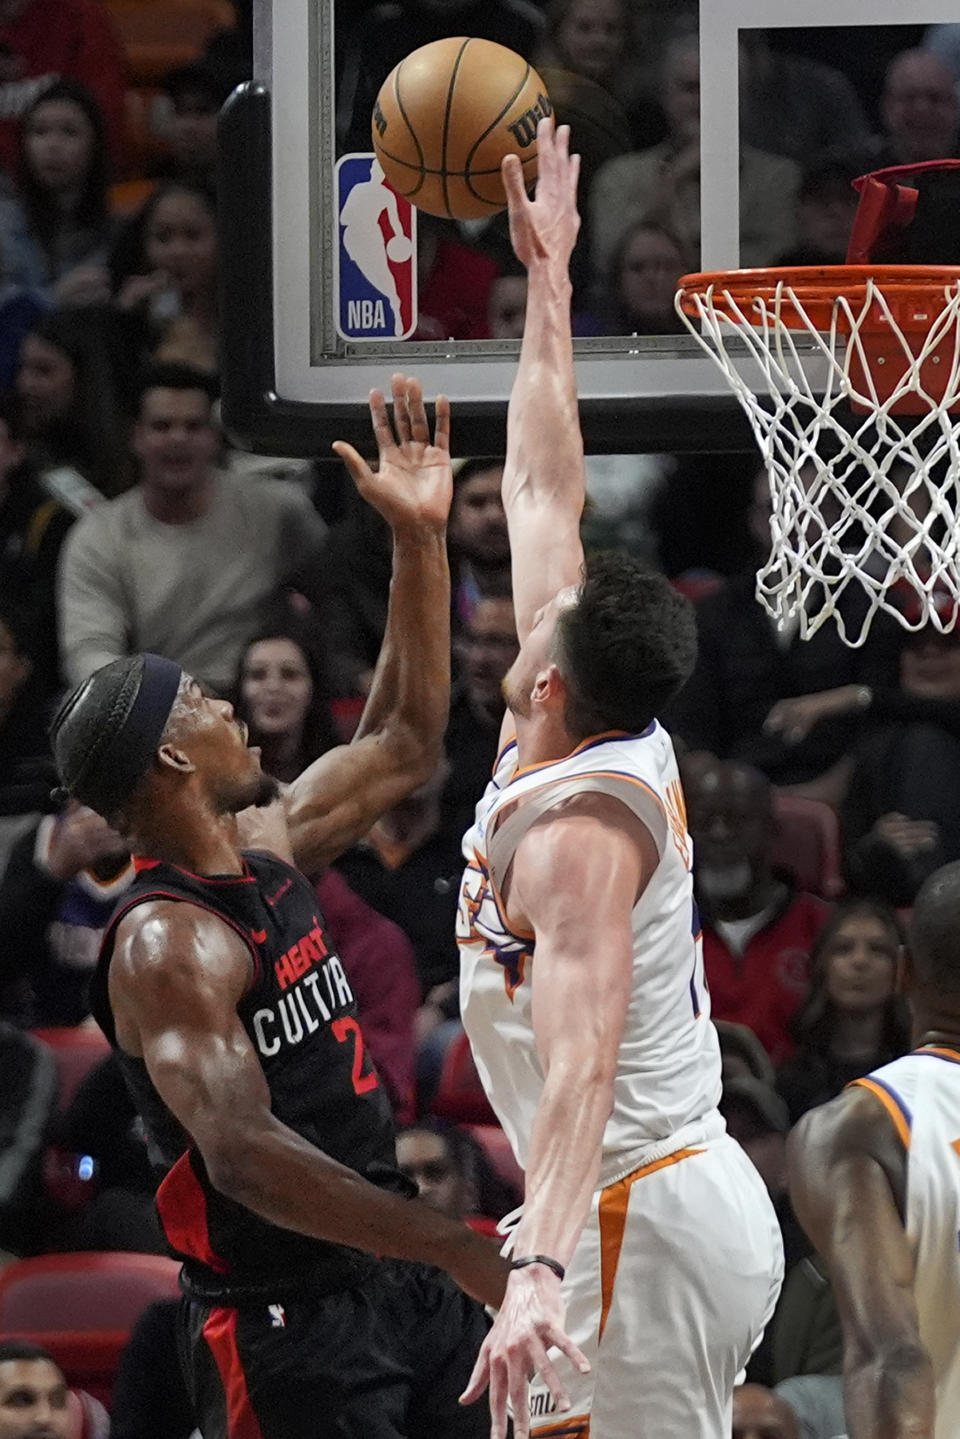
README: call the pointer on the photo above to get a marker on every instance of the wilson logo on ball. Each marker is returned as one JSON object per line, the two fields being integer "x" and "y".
{"x": 524, "y": 130}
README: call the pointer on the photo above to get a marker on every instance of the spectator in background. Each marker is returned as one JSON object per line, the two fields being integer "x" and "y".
{"x": 43, "y": 41}
{"x": 795, "y": 106}
{"x": 595, "y": 39}
{"x": 479, "y": 546}
{"x": 282, "y": 694}
{"x": 26, "y": 769}
{"x": 853, "y": 1020}
{"x": 644, "y": 275}
{"x": 59, "y": 889}
{"x": 758, "y": 1413}
{"x": 757, "y": 930}
{"x": 454, "y": 281}
{"x": 55, "y": 235}
{"x": 507, "y": 303}
{"x": 183, "y": 564}
{"x": 67, "y": 383}
{"x": 165, "y": 272}
{"x": 826, "y": 206}
{"x": 34, "y": 1400}
{"x": 28, "y": 1096}
{"x": 901, "y": 810}
{"x": 451, "y": 1171}
{"x": 747, "y": 668}
{"x": 197, "y": 94}
{"x": 408, "y": 869}
{"x": 32, "y": 529}
{"x": 487, "y": 648}
{"x": 662, "y": 184}
{"x": 920, "y": 111}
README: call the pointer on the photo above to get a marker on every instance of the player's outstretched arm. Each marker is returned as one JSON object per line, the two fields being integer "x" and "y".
{"x": 543, "y": 479}
{"x": 591, "y": 845}
{"x": 398, "y": 743}
{"x": 847, "y": 1180}
{"x": 177, "y": 976}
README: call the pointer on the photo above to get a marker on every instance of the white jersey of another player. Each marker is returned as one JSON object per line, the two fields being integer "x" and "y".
{"x": 921, "y": 1093}
{"x": 668, "y": 1070}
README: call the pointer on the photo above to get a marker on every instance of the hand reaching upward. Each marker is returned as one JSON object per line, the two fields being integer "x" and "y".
{"x": 413, "y": 484}
{"x": 546, "y": 227}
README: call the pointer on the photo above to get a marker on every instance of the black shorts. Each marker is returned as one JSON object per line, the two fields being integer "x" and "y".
{"x": 386, "y": 1360}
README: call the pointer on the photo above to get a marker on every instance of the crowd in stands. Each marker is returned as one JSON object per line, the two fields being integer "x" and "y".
{"x": 127, "y": 522}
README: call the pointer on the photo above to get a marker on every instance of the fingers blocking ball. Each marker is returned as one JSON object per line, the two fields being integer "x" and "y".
{"x": 445, "y": 118}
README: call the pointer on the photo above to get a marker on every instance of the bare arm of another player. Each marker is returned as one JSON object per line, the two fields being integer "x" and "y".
{"x": 589, "y": 846}
{"x": 847, "y": 1167}
{"x": 176, "y": 978}
{"x": 543, "y": 478}
{"x": 398, "y": 743}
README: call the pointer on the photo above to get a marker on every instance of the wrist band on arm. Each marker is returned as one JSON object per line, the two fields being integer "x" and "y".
{"x": 545, "y": 1259}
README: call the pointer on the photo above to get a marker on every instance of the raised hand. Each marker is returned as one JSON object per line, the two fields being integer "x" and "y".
{"x": 546, "y": 227}
{"x": 413, "y": 484}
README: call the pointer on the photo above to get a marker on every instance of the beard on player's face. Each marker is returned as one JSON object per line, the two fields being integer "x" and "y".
{"x": 256, "y": 790}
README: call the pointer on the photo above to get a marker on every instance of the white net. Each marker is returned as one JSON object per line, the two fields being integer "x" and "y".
{"x": 865, "y": 499}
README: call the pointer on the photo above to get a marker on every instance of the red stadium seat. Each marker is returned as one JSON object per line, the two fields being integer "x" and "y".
{"x": 77, "y": 1050}
{"x": 460, "y": 1095}
{"x": 807, "y": 843}
{"x": 82, "y": 1308}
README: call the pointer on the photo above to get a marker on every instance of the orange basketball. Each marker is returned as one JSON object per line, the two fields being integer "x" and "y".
{"x": 446, "y": 116}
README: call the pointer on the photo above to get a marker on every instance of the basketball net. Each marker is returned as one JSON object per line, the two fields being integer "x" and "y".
{"x": 848, "y": 379}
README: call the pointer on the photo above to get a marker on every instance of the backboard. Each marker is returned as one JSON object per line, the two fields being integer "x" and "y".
{"x": 309, "y": 327}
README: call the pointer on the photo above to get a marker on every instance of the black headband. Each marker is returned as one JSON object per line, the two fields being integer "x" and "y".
{"x": 120, "y": 755}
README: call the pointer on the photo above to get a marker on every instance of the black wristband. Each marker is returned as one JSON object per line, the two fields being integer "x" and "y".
{"x": 553, "y": 1264}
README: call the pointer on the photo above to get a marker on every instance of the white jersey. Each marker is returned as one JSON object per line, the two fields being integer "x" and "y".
{"x": 668, "y": 1068}
{"x": 921, "y": 1093}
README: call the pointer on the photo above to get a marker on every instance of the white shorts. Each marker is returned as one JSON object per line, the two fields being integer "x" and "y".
{"x": 675, "y": 1276}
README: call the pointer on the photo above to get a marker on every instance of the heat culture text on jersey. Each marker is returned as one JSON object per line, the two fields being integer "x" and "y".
{"x": 315, "y": 991}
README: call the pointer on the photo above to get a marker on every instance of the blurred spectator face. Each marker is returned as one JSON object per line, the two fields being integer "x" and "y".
{"x": 930, "y": 665}
{"x": 33, "y": 1400}
{"x": 426, "y": 1159}
{"x": 592, "y": 37}
{"x": 15, "y": 670}
{"x": 650, "y": 268}
{"x": 46, "y": 384}
{"x": 478, "y": 524}
{"x": 276, "y": 687}
{"x": 861, "y": 965}
{"x": 12, "y": 454}
{"x": 758, "y": 1413}
{"x": 920, "y": 108}
{"x": 681, "y": 91}
{"x": 192, "y": 131}
{"x": 731, "y": 821}
{"x": 507, "y": 307}
{"x": 181, "y": 241}
{"x": 490, "y": 648}
{"x": 58, "y": 145}
{"x": 825, "y": 216}
{"x": 175, "y": 439}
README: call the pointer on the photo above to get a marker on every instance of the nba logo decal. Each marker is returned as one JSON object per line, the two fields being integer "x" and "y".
{"x": 376, "y": 254}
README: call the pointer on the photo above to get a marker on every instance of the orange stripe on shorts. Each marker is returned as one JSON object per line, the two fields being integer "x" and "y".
{"x": 614, "y": 1202}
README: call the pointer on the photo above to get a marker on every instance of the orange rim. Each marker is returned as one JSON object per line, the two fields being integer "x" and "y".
{"x": 915, "y": 292}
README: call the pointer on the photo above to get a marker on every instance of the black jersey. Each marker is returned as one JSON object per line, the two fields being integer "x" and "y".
{"x": 301, "y": 1017}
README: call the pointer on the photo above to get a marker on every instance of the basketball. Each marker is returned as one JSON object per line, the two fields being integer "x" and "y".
{"x": 446, "y": 116}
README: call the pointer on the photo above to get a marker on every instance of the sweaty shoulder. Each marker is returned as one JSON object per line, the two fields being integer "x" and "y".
{"x": 165, "y": 953}
{"x": 855, "y": 1125}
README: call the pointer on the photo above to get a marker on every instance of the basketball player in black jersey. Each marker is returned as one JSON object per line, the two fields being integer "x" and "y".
{"x": 234, "y": 1022}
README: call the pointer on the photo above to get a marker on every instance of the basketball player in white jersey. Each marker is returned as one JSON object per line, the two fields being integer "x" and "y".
{"x": 875, "y": 1181}
{"x": 647, "y": 1256}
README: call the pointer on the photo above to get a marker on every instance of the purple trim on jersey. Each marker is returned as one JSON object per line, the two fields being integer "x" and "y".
{"x": 889, "y": 1089}
{"x": 937, "y": 1051}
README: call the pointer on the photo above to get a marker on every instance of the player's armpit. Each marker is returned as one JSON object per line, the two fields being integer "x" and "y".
{"x": 847, "y": 1168}
{"x": 338, "y": 798}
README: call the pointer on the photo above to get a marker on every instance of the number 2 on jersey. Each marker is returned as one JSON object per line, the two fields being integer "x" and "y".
{"x": 342, "y": 1029}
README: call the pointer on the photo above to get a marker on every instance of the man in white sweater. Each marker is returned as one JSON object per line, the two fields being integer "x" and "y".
{"x": 182, "y": 564}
